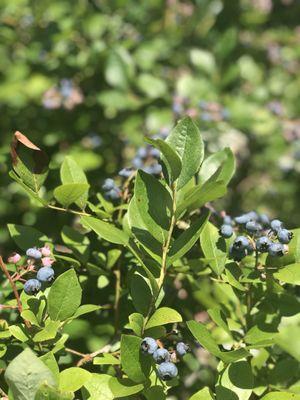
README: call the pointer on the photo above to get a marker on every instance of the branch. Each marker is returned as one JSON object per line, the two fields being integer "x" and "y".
{"x": 14, "y": 288}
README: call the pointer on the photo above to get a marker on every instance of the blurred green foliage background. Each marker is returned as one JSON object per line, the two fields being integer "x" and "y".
{"x": 91, "y": 78}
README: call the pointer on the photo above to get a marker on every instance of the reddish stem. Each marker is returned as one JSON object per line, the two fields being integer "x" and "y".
{"x": 14, "y": 288}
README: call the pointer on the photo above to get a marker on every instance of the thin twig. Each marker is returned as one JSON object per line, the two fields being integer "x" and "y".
{"x": 14, "y": 288}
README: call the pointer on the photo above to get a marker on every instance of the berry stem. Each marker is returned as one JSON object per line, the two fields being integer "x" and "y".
{"x": 14, "y": 288}
{"x": 83, "y": 213}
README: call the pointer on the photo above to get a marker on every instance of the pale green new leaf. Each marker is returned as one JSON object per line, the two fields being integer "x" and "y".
{"x": 163, "y": 316}
{"x": 186, "y": 140}
{"x": 25, "y": 374}
{"x": 105, "y": 230}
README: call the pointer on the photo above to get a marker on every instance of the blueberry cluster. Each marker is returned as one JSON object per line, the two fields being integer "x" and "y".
{"x": 165, "y": 360}
{"x": 36, "y": 258}
{"x": 111, "y": 190}
{"x": 64, "y": 95}
{"x": 207, "y": 111}
{"x": 145, "y": 159}
{"x": 255, "y": 232}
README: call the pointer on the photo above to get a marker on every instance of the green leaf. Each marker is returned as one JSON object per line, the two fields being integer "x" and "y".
{"x": 186, "y": 140}
{"x": 220, "y": 166}
{"x": 105, "y": 230}
{"x": 106, "y": 359}
{"x": 199, "y": 195}
{"x": 235, "y": 382}
{"x": 46, "y": 392}
{"x": 50, "y": 362}
{"x": 64, "y": 297}
{"x": 139, "y": 230}
{"x": 85, "y": 309}
{"x": 124, "y": 387}
{"x": 154, "y": 205}
{"x": 141, "y": 294}
{"x": 69, "y": 193}
{"x": 289, "y": 274}
{"x": 170, "y": 158}
{"x": 26, "y": 236}
{"x": 281, "y": 396}
{"x": 72, "y": 379}
{"x": 135, "y": 365}
{"x": 30, "y": 163}
{"x": 204, "y": 337}
{"x": 188, "y": 238}
{"x": 31, "y": 193}
{"x": 25, "y": 374}
{"x": 262, "y": 334}
{"x": 71, "y": 172}
{"x": 203, "y": 394}
{"x": 19, "y": 332}
{"x": 77, "y": 242}
{"x": 47, "y": 333}
{"x": 136, "y": 323}
{"x": 97, "y": 388}
{"x": 217, "y": 315}
{"x": 214, "y": 248}
{"x": 163, "y": 316}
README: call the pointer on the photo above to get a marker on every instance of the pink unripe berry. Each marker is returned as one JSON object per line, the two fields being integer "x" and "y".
{"x": 47, "y": 261}
{"x": 14, "y": 258}
{"x": 46, "y": 251}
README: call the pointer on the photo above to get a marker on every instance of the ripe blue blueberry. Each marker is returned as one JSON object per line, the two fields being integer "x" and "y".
{"x": 182, "y": 348}
{"x": 108, "y": 184}
{"x": 149, "y": 345}
{"x": 113, "y": 194}
{"x": 244, "y": 218}
{"x": 240, "y": 243}
{"x": 262, "y": 244}
{"x": 276, "y": 225}
{"x": 264, "y": 220}
{"x": 161, "y": 355}
{"x": 226, "y": 231}
{"x": 142, "y": 152}
{"x": 227, "y": 220}
{"x": 284, "y": 236}
{"x": 237, "y": 254}
{"x": 32, "y": 286}
{"x": 137, "y": 163}
{"x": 167, "y": 371}
{"x": 125, "y": 172}
{"x": 34, "y": 253}
{"x": 276, "y": 249}
{"x": 155, "y": 153}
{"x": 253, "y": 227}
{"x": 45, "y": 274}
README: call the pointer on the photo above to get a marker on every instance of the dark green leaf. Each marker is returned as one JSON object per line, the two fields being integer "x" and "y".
{"x": 188, "y": 238}
{"x": 30, "y": 163}
{"x": 170, "y": 158}
{"x": 26, "y": 236}
{"x": 64, "y": 297}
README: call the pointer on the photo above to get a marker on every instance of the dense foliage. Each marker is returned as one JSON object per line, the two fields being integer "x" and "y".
{"x": 112, "y": 212}
{"x": 139, "y": 258}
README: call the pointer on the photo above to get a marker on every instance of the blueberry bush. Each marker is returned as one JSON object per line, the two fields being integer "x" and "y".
{"x": 150, "y": 292}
